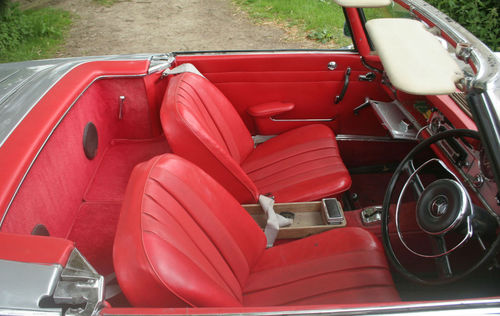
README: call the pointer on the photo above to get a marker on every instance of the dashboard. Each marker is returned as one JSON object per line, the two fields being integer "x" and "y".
{"x": 470, "y": 160}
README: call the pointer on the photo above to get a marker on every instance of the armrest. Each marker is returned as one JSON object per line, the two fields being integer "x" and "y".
{"x": 270, "y": 109}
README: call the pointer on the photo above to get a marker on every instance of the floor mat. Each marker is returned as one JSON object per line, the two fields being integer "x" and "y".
{"x": 94, "y": 231}
{"x": 369, "y": 188}
{"x": 111, "y": 177}
{"x": 94, "y": 228}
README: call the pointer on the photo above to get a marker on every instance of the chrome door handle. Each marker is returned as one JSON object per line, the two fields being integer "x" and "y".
{"x": 370, "y": 76}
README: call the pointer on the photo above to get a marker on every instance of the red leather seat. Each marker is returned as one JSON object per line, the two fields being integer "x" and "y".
{"x": 203, "y": 126}
{"x": 183, "y": 240}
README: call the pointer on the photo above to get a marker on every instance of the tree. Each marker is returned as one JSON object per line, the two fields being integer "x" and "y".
{"x": 480, "y": 17}
{"x": 4, "y": 4}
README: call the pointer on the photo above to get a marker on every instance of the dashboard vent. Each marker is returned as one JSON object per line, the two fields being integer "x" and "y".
{"x": 461, "y": 101}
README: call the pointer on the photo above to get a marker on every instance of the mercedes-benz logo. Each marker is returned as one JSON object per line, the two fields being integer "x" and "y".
{"x": 439, "y": 206}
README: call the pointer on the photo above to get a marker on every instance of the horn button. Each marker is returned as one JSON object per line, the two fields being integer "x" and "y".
{"x": 442, "y": 206}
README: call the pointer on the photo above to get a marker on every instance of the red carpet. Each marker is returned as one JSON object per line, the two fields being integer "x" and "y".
{"x": 95, "y": 224}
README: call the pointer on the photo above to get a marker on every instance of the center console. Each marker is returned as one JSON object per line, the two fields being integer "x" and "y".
{"x": 308, "y": 217}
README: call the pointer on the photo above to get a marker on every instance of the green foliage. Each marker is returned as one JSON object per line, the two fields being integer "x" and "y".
{"x": 320, "y": 20}
{"x": 480, "y": 17}
{"x": 323, "y": 36}
{"x": 4, "y": 4}
{"x": 31, "y": 34}
{"x": 106, "y": 3}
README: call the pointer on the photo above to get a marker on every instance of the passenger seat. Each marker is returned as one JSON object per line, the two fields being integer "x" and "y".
{"x": 202, "y": 125}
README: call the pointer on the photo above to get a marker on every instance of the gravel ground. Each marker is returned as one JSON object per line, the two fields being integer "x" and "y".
{"x": 158, "y": 26}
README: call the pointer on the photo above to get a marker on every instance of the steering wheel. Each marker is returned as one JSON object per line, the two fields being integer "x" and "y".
{"x": 443, "y": 206}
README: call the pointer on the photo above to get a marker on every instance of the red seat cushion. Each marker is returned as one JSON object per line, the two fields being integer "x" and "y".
{"x": 183, "y": 240}
{"x": 344, "y": 265}
{"x": 300, "y": 165}
{"x": 202, "y": 126}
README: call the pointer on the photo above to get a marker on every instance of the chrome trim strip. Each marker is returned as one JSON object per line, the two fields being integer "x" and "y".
{"x": 485, "y": 307}
{"x": 270, "y": 52}
{"x": 50, "y": 135}
{"x": 302, "y": 120}
{"x": 9, "y": 76}
{"x": 368, "y": 138}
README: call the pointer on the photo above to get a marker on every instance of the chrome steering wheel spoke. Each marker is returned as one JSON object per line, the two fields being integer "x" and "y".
{"x": 438, "y": 208}
{"x": 443, "y": 206}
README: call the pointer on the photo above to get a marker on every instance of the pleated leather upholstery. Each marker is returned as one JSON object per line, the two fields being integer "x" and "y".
{"x": 183, "y": 240}
{"x": 202, "y": 126}
{"x": 300, "y": 165}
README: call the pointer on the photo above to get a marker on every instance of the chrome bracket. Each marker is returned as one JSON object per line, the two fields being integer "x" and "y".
{"x": 80, "y": 287}
{"x": 161, "y": 62}
{"x": 463, "y": 51}
{"x": 371, "y": 215}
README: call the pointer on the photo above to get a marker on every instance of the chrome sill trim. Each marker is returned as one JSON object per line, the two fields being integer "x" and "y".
{"x": 472, "y": 307}
{"x": 50, "y": 135}
{"x": 368, "y": 138}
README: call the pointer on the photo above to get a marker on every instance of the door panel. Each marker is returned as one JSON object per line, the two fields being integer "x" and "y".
{"x": 301, "y": 78}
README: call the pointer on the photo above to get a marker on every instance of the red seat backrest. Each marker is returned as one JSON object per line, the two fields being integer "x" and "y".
{"x": 202, "y": 126}
{"x": 182, "y": 239}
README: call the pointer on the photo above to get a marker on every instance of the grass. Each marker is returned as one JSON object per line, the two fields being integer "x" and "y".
{"x": 319, "y": 20}
{"x": 31, "y": 34}
{"x": 106, "y": 3}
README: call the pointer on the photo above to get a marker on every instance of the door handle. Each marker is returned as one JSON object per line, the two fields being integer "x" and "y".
{"x": 344, "y": 89}
{"x": 370, "y": 76}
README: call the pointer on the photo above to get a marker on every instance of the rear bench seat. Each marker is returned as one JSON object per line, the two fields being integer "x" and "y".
{"x": 203, "y": 126}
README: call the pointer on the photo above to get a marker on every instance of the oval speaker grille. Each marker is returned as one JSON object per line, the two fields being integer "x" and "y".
{"x": 90, "y": 140}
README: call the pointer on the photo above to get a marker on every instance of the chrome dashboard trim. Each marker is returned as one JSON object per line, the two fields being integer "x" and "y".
{"x": 368, "y": 138}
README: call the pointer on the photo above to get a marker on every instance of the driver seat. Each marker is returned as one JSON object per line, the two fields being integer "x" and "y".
{"x": 184, "y": 241}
